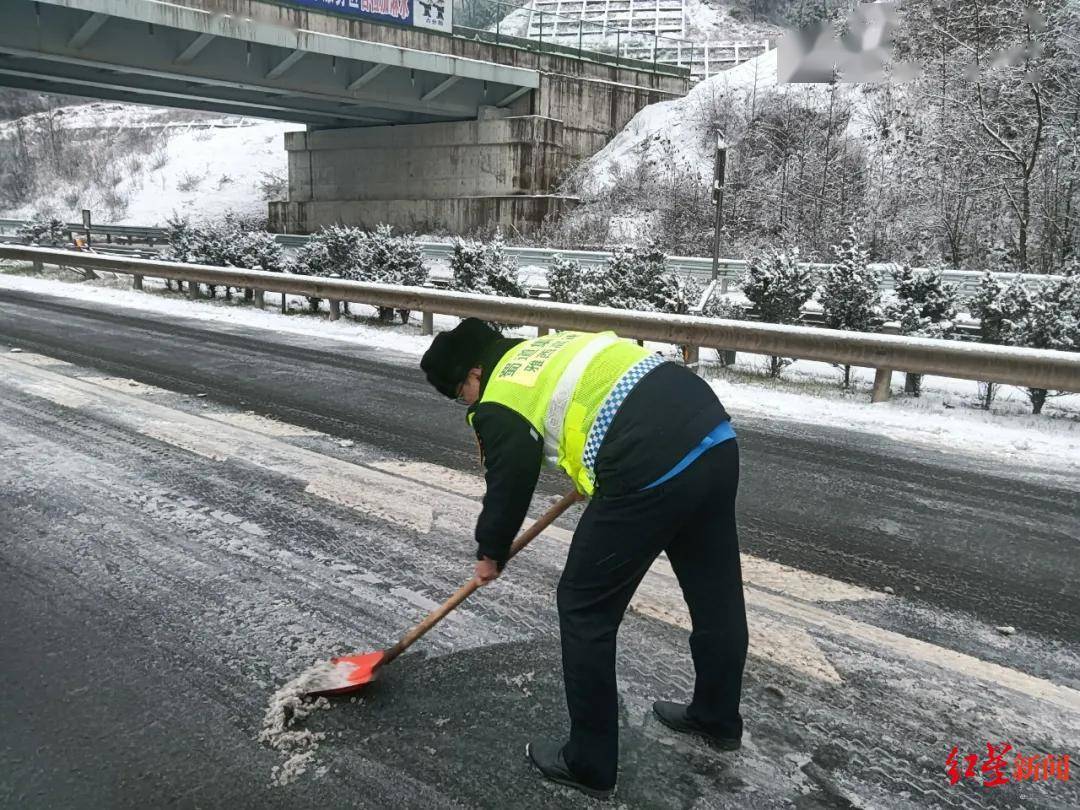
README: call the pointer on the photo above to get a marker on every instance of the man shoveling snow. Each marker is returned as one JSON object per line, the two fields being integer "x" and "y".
{"x": 651, "y": 446}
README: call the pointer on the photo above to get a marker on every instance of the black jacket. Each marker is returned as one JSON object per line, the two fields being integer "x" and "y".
{"x": 662, "y": 419}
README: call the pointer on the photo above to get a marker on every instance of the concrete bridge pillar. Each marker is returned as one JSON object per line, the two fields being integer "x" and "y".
{"x": 499, "y": 170}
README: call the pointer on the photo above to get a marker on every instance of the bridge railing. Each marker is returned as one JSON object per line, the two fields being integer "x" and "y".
{"x": 1034, "y": 368}
{"x": 534, "y": 28}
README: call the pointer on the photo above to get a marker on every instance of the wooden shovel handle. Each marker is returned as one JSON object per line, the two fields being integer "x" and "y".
{"x": 463, "y": 592}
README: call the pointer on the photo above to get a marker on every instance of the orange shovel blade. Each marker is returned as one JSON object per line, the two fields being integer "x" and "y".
{"x": 351, "y": 672}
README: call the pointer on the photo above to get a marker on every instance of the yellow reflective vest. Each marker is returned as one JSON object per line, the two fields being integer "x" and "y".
{"x": 568, "y": 386}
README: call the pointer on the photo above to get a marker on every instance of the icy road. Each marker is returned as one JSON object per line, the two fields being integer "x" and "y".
{"x": 191, "y": 514}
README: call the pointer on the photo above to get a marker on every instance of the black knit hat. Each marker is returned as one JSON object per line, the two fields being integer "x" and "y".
{"x": 451, "y": 354}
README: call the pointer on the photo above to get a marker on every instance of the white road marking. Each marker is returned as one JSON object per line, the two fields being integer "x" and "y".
{"x": 384, "y": 496}
{"x": 373, "y": 493}
{"x": 180, "y": 435}
{"x": 471, "y": 486}
{"x": 125, "y": 385}
{"x": 261, "y": 424}
{"x": 401, "y": 500}
{"x": 782, "y": 643}
{"x": 58, "y": 392}
{"x": 32, "y": 359}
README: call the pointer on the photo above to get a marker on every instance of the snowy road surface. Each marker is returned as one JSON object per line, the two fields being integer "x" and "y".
{"x": 167, "y": 560}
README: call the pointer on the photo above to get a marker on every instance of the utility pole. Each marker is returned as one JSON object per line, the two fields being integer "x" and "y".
{"x": 727, "y": 358}
{"x": 718, "y": 201}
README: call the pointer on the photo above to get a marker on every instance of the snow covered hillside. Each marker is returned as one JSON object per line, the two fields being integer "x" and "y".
{"x": 679, "y": 131}
{"x": 132, "y": 164}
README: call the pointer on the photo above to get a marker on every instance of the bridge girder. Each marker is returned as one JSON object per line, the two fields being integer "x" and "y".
{"x": 186, "y": 56}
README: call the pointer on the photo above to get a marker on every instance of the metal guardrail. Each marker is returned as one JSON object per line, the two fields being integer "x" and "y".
{"x": 967, "y": 281}
{"x": 1034, "y": 368}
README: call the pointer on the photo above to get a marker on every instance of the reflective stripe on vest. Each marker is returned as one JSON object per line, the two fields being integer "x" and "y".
{"x": 564, "y": 391}
{"x": 607, "y": 411}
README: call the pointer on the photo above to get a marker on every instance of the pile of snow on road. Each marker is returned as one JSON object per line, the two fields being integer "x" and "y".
{"x": 288, "y": 706}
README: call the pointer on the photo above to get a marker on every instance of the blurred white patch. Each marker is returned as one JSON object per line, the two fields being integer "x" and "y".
{"x": 861, "y": 54}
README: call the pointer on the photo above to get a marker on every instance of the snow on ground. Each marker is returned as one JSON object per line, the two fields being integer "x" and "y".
{"x": 712, "y": 21}
{"x": 942, "y": 418}
{"x": 213, "y": 169}
{"x": 205, "y": 166}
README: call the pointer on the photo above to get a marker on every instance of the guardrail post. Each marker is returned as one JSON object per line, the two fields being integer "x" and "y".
{"x": 882, "y": 385}
{"x": 193, "y": 290}
{"x": 726, "y": 358}
{"x": 427, "y": 325}
{"x": 883, "y": 376}
{"x": 136, "y": 282}
{"x": 260, "y": 299}
{"x": 39, "y": 266}
{"x": 335, "y": 309}
{"x": 691, "y": 356}
{"x": 541, "y": 331}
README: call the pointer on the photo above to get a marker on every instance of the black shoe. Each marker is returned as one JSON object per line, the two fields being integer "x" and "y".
{"x": 548, "y": 759}
{"x": 673, "y": 715}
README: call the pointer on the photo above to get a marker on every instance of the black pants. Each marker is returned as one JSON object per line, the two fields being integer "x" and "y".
{"x": 692, "y": 518}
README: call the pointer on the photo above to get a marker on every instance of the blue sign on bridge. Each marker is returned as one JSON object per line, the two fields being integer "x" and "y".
{"x": 433, "y": 14}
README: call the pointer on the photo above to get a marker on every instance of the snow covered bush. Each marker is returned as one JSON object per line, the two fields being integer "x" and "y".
{"x": 924, "y": 305}
{"x": 485, "y": 269}
{"x": 334, "y": 251}
{"x": 637, "y": 278}
{"x": 778, "y": 287}
{"x": 850, "y": 292}
{"x": 184, "y": 242}
{"x": 377, "y": 257}
{"x": 629, "y": 280}
{"x": 988, "y": 306}
{"x": 724, "y": 308}
{"x": 232, "y": 241}
{"x": 341, "y": 252}
{"x": 1045, "y": 317}
{"x": 633, "y": 278}
{"x": 257, "y": 250}
{"x": 389, "y": 259}
{"x": 677, "y": 294}
{"x": 44, "y": 232}
{"x": 564, "y": 280}
{"x": 312, "y": 259}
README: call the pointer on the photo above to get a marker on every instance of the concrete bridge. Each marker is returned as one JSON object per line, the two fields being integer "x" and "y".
{"x": 411, "y": 124}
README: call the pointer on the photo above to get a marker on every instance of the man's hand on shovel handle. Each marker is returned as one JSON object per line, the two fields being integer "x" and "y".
{"x": 487, "y": 570}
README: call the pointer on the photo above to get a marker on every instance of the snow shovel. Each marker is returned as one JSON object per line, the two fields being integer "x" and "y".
{"x": 352, "y": 672}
